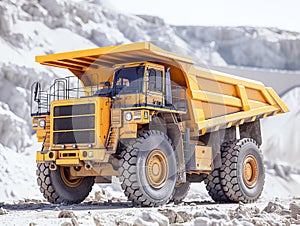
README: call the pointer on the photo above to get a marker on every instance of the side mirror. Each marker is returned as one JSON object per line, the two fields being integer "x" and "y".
{"x": 37, "y": 88}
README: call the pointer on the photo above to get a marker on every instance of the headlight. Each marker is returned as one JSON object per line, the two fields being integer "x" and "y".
{"x": 35, "y": 123}
{"x": 146, "y": 115}
{"x": 128, "y": 116}
{"x": 42, "y": 123}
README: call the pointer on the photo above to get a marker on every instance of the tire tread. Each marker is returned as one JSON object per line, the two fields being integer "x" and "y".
{"x": 127, "y": 163}
{"x": 48, "y": 190}
{"x": 228, "y": 171}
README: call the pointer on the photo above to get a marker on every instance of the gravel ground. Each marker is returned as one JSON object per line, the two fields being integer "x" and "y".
{"x": 106, "y": 209}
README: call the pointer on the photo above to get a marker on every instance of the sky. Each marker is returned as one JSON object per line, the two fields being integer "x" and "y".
{"x": 284, "y": 14}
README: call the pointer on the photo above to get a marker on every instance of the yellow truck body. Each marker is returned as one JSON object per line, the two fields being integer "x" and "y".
{"x": 89, "y": 135}
{"x": 217, "y": 99}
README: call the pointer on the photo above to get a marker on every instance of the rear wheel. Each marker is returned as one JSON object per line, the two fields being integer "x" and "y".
{"x": 215, "y": 188}
{"x": 58, "y": 186}
{"x": 148, "y": 169}
{"x": 213, "y": 181}
{"x": 242, "y": 173}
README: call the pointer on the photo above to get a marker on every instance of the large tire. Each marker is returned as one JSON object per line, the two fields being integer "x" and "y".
{"x": 148, "y": 169}
{"x": 181, "y": 192}
{"x": 242, "y": 173}
{"x": 215, "y": 188}
{"x": 58, "y": 188}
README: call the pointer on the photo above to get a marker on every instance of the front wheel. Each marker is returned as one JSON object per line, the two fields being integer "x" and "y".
{"x": 148, "y": 169}
{"x": 58, "y": 186}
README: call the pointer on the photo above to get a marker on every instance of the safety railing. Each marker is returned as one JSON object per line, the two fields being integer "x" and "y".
{"x": 61, "y": 89}
{"x": 178, "y": 98}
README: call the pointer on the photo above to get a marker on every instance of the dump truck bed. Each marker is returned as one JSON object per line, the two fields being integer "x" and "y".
{"x": 222, "y": 100}
{"x": 216, "y": 100}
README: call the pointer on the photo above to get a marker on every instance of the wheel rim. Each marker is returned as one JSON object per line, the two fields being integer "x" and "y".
{"x": 68, "y": 179}
{"x": 250, "y": 168}
{"x": 157, "y": 168}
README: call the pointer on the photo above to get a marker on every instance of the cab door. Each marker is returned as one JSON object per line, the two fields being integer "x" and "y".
{"x": 155, "y": 87}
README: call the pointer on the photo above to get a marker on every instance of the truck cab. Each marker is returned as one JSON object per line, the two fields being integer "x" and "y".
{"x": 140, "y": 84}
{"x": 146, "y": 79}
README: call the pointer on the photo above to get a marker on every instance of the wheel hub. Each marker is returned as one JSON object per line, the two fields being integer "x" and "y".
{"x": 250, "y": 171}
{"x": 156, "y": 168}
{"x": 68, "y": 179}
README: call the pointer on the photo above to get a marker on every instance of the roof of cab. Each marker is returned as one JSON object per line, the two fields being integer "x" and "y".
{"x": 81, "y": 60}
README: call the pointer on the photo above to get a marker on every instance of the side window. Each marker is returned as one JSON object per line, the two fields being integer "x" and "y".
{"x": 159, "y": 81}
{"x": 155, "y": 80}
{"x": 122, "y": 82}
{"x": 151, "y": 85}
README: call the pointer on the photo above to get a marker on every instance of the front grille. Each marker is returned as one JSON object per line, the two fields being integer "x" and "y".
{"x": 74, "y": 137}
{"x": 74, "y": 124}
{"x": 80, "y": 109}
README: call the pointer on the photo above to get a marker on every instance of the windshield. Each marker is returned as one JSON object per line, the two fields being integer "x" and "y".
{"x": 129, "y": 80}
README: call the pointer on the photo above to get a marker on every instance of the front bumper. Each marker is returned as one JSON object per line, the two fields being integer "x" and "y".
{"x": 72, "y": 157}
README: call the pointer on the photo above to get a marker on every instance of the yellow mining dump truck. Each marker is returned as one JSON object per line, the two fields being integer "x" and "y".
{"x": 153, "y": 119}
